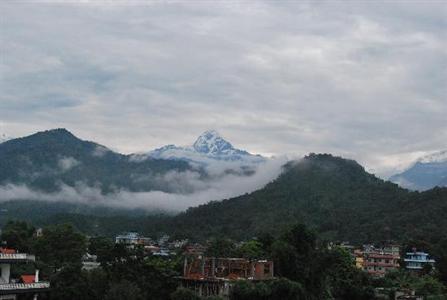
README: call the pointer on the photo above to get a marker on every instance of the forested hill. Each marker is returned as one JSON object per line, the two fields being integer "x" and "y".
{"x": 46, "y": 160}
{"x": 335, "y": 196}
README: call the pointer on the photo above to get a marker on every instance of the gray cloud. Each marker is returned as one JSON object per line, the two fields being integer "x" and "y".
{"x": 359, "y": 79}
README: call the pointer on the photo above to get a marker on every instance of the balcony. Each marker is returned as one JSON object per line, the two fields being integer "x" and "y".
{"x": 18, "y": 288}
{"x": 16, "y": 257}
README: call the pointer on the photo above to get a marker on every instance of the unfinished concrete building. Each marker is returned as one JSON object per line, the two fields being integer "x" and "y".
{"x": 209, "y": 276}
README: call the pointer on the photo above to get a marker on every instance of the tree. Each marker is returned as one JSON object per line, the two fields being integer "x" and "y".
{"x": 124, "y": 290}
{"x": 220, "y": 248}
{"x": 70, "y": 283}
{"x": 60, "y": 245}
{"x": 251, "y": 250}
{"x": 184, "y": 294}
{"x": 297, "y": 258}
{"x": 18, "y": 235}
{"x": 427, "y": 285}
{"x": 286, "y": 289}
{"x": 344, "y": 280}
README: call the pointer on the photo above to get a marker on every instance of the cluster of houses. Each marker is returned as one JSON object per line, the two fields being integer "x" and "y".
{"x": 214, "y": 276}
{"x": 377, "y": 261}
{"x": 160, "y": 247}
{"x": 208, "y": 276}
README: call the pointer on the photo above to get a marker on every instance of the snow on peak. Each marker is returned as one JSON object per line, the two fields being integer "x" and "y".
{"x": 437, "y": 157}
{"x": 208, "y": 147}
{"x": 210, "y": 142}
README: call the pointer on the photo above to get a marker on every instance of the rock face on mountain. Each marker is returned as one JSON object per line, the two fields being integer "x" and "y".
{"x": 48, "y": 160}
{"x": 427, "y": 172}
{"x": 208, "y": 147}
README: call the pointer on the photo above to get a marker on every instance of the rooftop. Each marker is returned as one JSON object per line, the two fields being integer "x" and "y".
{"x": 16, "y": 257}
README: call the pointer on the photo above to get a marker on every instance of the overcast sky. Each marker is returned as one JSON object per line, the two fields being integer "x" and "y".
{"x": 365, "y": 80}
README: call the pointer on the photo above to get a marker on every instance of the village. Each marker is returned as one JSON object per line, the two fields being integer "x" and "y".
{"x": 215, "y": 276}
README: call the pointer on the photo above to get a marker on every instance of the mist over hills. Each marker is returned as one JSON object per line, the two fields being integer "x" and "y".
{"x": 334, "y": 196}
{"x": 47, "y": 160}
{"x": 102, "y": 191}
{"x": 56, "y": 166}
{"x": 427, "y": 172}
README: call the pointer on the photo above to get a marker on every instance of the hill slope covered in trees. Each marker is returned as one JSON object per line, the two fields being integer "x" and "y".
{"x": 46, "y": 160}
{"x": 333, "y": 195}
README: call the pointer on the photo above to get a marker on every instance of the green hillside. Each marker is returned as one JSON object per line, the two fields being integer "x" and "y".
{"x": 333, "y": 195}
{"x": 45, "y": 160}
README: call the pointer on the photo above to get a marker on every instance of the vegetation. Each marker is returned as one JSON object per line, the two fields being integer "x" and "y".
{"x": 331, "y": 195}
{"x": 304, "y": 268}
{"x": 335, "y": 199}
{"x": 334, "y": 196}
{"x": 46, "y": 159}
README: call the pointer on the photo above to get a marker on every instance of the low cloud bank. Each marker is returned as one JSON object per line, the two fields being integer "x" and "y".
{"x": 218, "y": 188}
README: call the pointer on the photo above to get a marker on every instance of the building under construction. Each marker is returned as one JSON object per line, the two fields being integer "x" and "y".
{"x": 209, "y": 276}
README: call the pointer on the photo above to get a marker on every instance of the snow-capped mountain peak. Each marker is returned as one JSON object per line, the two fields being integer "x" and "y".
{"x": 209, "y": 146}
{"x": 211, "y": 143}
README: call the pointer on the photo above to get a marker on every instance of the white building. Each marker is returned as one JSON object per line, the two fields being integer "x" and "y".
{"x": 416, "y": 261}
{"x": 9, "y": 287}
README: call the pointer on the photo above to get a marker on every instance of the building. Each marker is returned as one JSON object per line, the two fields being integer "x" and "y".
{"x": 415, "y": 261}
{"x": 133, "y": 238}
{"x": 210, "y": 276}
{"x": 195, "y": 249}
{"x": 130, "y": 238}
{"x": 89, "y": 262}
{"x": 378, "y": 261}
{"x": 10, "y": 288}
{"x": 359, "y": 261}
{"x": 407, "y": 294}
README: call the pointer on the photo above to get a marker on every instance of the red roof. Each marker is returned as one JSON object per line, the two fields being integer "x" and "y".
{"x": 7, "y": 251}
{"x": 28, "y": 278}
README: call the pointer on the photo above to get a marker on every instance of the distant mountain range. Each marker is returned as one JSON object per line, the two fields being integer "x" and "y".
{"x": 49, "y": 160}
{"x": 427, "y": 172}
{"x": 46, "y": 160}
{"x": 331, "y": 194}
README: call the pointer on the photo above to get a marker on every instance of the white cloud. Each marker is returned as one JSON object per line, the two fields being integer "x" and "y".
{"x": 100, "y": 151}
{"x": 204, "y": 191}
{"x": 67, "y": 163}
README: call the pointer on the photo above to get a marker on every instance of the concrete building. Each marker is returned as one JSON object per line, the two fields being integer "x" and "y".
{"x": 359, "y": 260}
{"x": 130, "y": 238}
{"x": 133, "y": 238}
{"x": 209, "y": 276}
{"x": 416, "y": 260}
{"x": 10, "y": 288}
{"x": 378, "y": 261}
